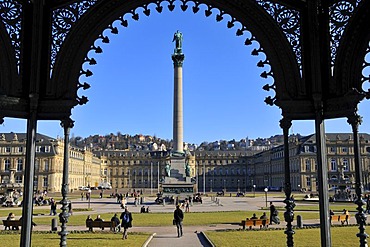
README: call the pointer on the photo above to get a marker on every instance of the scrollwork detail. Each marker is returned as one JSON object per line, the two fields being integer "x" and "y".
{"x": 11, "y": 15}
{"x": 63, "y": 21}
{"x": 289, "y": 22}
{"x": 340, "y": 14}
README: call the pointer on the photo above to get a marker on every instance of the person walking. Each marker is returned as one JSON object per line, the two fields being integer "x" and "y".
{"x": 274, "y": 214}
{"x": 178, "y": 217}
{"x": 126, "y": 218}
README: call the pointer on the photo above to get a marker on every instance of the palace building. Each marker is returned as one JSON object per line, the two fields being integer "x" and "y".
{"x": 230, "y": 170}
{"x": 84, "y": 167}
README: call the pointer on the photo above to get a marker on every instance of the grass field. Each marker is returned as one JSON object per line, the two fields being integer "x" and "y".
{"x": 341, "y": 237}
{"x": 78, "y": 239}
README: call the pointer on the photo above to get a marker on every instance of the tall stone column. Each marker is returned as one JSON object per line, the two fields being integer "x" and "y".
{"x": 178, "y": 59}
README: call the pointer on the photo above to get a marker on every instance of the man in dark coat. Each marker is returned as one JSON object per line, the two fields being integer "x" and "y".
{"x": 117, "y": 224}
{"x": 126, "y": 218}
{"x": 274, "y": 214}
{"x": 178, "y": 217}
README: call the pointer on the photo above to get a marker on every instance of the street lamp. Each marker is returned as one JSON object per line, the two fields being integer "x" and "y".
{"x": 254, "y": 190}
{"x": 89, "y": 192}
{"x": 211, "y": 185}
{"x": 151, "y": 178}
{"x": 266, "y": 195}
{"x": 238, "y": 186}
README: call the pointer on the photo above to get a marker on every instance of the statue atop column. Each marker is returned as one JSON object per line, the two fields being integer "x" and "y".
{"x": 177, "y": 37}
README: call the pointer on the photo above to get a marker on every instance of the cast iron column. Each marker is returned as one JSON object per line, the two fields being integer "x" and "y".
{"x": 67, "y": 124}
{"x": 285, "y": 124}
{"x": 355, "y": 120}
{"x": 29, "y": 172}
{"x": 322, "y": 173}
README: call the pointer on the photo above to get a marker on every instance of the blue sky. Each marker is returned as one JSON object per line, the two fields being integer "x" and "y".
{"x": 132, "y": 86}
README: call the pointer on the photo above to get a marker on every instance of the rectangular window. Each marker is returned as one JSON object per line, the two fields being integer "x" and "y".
{"x": 46, "y": 165}
{"x": 8, "y": 149}
{"x": 20, "y": 149}
{"x": 308, "y": 165}
{"x": 333, "y": 165}
{"x": 7, "y": 164}
{"x": 45, "y": 182}
{"x": 18, "y": 179}
{"x": 37, "y": 162}
{"x": 345, "y": 165}
{"x": 308, "y": 183}
{"x": 20, "y": 165}
{"x": 344, "y": 149}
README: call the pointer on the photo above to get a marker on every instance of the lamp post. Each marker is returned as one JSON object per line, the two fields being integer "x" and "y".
{"x": 151, "y": 178}
{"x": 254, "y": 190}
{"x": 238, "y": 186}
{"x": 89, "y": 192}
{"x": 158, "y": 177}
{"x": 211, "y": 185}
{"x": 204, "y": 178}
{"x": 266, "y": 195}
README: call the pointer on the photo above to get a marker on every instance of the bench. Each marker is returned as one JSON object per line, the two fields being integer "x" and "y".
{"x": 101, "y": 224}
{"x": 12, "y": 224}
{"x": 255, "y": 222}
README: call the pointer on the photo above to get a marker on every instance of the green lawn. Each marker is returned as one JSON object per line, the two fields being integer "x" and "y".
{"x": 165, "y": 219}
{"x": 77, "y": 239}
{"x": 341, "y": 237}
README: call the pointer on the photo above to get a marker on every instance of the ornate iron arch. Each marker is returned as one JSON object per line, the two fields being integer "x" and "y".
{"x": 351, "y": 53}
{"x": 315, "y": 56}
{"x": 100, "y": 17}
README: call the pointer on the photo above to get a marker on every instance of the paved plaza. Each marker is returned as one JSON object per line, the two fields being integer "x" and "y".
{"x": 167, "y": 235}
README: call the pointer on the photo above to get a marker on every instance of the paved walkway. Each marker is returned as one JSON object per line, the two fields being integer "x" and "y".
{"x": 167, "y": 235}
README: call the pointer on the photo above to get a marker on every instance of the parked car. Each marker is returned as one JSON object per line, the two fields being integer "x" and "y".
{"x": 84, "y": 188}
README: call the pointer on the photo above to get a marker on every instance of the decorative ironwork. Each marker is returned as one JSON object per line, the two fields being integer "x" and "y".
{"x": 285, "y": 124}
{"x": 63, "y": 21}
{"x": 355, "y": 120}
{"x": 11, "y": 16}
{"x": 289, "y": 22}
{"x": 366, "y": 69}
{"x": 282, "y": 17}
{"x": 340, "y": 13}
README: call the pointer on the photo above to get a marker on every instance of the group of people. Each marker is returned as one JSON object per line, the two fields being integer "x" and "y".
{"x": 124, "y": 221}
{"x": 144, "y": 210}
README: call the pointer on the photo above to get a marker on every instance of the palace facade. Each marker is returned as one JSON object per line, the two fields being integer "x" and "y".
{"x": 231, "y": 170}
{"x": 84, "y": 167}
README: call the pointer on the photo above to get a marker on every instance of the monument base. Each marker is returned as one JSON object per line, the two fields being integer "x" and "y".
{"x": 178, "y": 190}
{"x": 178, "y": 185}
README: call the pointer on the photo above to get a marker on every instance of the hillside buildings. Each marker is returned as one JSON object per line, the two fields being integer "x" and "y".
{"x": 213, "y": 170}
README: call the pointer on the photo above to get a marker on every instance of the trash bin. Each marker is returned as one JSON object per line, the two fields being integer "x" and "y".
{"x": 299, "y": 221}
{"x": 54, "y": 224}
{"x": 141, "y": 200}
